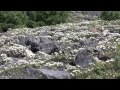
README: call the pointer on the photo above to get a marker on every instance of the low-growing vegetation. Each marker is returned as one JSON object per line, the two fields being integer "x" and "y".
{"x": 98, "y": 70}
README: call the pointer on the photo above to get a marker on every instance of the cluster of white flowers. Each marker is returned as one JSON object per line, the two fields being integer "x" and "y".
{"x": 108, "y": 44}
{"x": 4, "y": 56}
{"x": 22, "y": 62}
{"x": 56, "y": 53}
{"x": 75, "y": 73}
{"x": 4, "y": 39}
{"x": 69, "y": 67}
{"x": 59, "y": 34}
{"x": 54, "y": 64}
{"x": 63, "y": 39}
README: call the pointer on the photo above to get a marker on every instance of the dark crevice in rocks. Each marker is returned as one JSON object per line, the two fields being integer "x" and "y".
{"x": 33, "y": 46}
{"x": 2, "y": 62}
{"x": 104, "y": 58}
{"x": 72, "y": 63}
{"x": 16, "y": 56}
{"x": 34, "y": 50}
{"x": 55, "y": 49}
{"x": 4, "y": 30}
{"x": 27, "y": 43}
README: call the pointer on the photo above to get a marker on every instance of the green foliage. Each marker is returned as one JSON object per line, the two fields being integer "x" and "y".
{"x": 4, "y": 26}
{"x": 15, "y": 19}
{"x": 12, "y": 19}
{"x": 41, "y": 18}
{"x": 110, "y": 15}
{"x": 31, "y": 24}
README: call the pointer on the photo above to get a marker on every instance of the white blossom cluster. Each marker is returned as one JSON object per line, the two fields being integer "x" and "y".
{"x": 75, "y": 73}
{"x": 54, "y": 64}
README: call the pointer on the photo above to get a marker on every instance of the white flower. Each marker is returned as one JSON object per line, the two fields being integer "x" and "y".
{"x": 60, "y": 52}
{"x": 52, "y": 64}
{"x": 56, "y": 53}
{"x": 75, "y": 72}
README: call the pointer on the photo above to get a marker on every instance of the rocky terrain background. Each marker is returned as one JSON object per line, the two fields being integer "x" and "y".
{"x": 62, "y": 51}
{"x": 79, "y": 16}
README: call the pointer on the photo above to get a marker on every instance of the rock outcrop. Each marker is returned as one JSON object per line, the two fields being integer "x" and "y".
{"x": 54, "y": 51}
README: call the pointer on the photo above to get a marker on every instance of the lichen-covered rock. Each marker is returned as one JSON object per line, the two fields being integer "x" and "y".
{"x": 17, "y": 51}
{"x": 55, "y": 74}
{"x": 44, "y": 44}
{"x": 46, "y": 73}
{"x": 29, "y": 72}
{"x": 83, "y": 58}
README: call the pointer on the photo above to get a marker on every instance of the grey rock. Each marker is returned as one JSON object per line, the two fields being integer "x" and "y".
{"x": 99, "y": 54}
{"x": 88, "y": 43}
{"x": 49, "y": 73}
{"x": 17, "y": 51}
{"x": 35, "y": 73}
{"x": 54, "y": 74}
{"x": 83, "y": 58}
{"x": 44, "y": 44}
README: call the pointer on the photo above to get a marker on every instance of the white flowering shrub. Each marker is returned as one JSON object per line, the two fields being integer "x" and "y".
{"x": 54, "y": 64}
{"x": 60, "y": 57}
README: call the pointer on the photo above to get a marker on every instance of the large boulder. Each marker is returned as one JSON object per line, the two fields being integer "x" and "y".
{"x": 90, "y": 42}
{"x": 44, "y": 44}
{"x": 47, "y": 45}
{"x": 34, "y": 73}
{"x": 83, "y": 58}
{"x": 17, "y": 51}
{"x": 86, "y": 56}
{"x": 50, "y": 73}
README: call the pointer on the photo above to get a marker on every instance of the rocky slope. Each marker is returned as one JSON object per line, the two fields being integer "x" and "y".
{"x": 57, "y": 51}
{"x": 78, "y": 16}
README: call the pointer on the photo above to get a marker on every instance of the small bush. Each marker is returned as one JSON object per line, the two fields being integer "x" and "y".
{"x": 59, "y": 58}
{"x": 31, "y": 24}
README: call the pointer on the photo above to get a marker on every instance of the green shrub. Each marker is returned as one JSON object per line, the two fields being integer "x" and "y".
{"x": 42, "y": 18}
{"x": 4, "y": 26}
{"x": 31, "y": 15}
{"x": 12, "y": 19}
{"x": 16, "y": 19}
{"x": 110, "y": 15}
{"x": 31, "y": 24}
